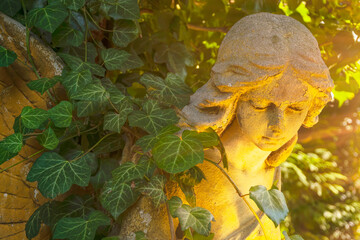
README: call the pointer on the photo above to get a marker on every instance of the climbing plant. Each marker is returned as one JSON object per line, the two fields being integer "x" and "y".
{"x": 129, "y": 67}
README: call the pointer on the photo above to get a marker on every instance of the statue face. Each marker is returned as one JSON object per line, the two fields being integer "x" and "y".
{"x": 271, "y": 115}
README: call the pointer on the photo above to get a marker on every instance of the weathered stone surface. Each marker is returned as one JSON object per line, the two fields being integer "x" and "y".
{"x": 19, "y": 198}
{"x": 268, "y": 81}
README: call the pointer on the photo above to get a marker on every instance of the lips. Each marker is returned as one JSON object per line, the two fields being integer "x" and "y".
{"x": 274, "y": 139}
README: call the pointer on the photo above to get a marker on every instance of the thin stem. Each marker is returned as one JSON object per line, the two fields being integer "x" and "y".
{"x": 112, "y": 104}
{"x": 94, "y": 146}
{"x": 25, "y": 159}
{"x": 92, "y": 19}
{"x": 88, "y": 130}
{"x": 239, "y": 193}
{"x": 257, "y": 217}
{"x": 28, "y": 43}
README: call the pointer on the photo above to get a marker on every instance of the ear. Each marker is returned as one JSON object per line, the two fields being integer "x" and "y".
{"x": 310, "y": 121}
{"x": 277, "y": 157}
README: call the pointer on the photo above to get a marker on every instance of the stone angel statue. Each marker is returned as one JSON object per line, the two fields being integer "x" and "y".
{"x": 268, "y": 81}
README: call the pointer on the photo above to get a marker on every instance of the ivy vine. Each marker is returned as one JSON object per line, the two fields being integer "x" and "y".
{"x": 117, "y": 95}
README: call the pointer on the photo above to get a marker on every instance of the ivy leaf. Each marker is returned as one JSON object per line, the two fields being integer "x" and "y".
{"x": 172, "y": 90}
{"x": 10, "y": 8}
{"x": 154, "y": 189}
{"x": 88, "y": 108}
{"x": 12, "y": 143}
{"x": 174, "y": 203}
{"x": 48, "y": 139}
{"x": 271, "y": 202}
{"x": 104, "y": 172}
{"x": 127, "y": 172}
{"x": 293, "y": 237}
{"x": 109, "y": 144}
{"x": 175, "y": 155}
{"x": 152, "y": 118}
{"x": 207, "y": 139}
{"x": 43, "y": 84}
{"x": 121, "y": 9}
{"x": 73, "y": 4}
{"x": 33, "y": 225}
{"x": 7, "y": 57}
{"x": 61, "y": 114}
{"x": 20, "y": 128}
{"x": 147, "y": 142}
{"x": 75, "y": 80}
{"x": 55, "y": 175}
{"x": 116, "y": 198}
{"x": 114, "y": 121}
{"x": 78, "y": 65}
{"x": 132, "y": 62}
{"x": 175, "y": 56}
{"x": 140, "y": 235}
{"x": 92, "y": 92}
{"x": 65, "y": 36}
{"x": 33, "y": 117}
{"x": 197, "y": 218}
{"x": 125, "y": 31}
{"x": 79, "y": 228}
{"x": 48, "y": 18}
{"x": 113, "y": 58}
{"x": 5, "y": 155}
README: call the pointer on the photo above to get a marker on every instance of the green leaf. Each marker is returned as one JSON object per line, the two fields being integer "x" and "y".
{"x": 121, "y": 9}
{"x": 20, "y": 128}
{"x": 293, "y": 237}
{"x": 33, "y": 225}
{"x": 92, "y": 92}
{"x": 33, "y": 117}
{"x": 43, "y": 84}
{"x": 127, "y": 172}
{"x": 174, "y": 203}
{"x": 79, "y": 228}
{"x": 116, "y": 198}
{"x": 172, "y": 90}
{"x": 65, "y": 36}
{"x": 132, "y": 62}
{"x": 75, "y": 80}
{"x": 7, "y": 57}
{"x": 271, "y": 202}
{"x": 111, "y": 238}
{"x": 187, "y": 180}
{"x": 61, "y": 114}
{"x": 113, "y": 58}
{"x": 5, "y": 155}
{"x": 55, "y": 175}
{"x": 12, "y": 143}
{"x": 48, "y": 139}
{"x": 175, "y": 56}
{"x": 73, "y": 4}
{"x": 10, "y": 8}
{"x": 197, "y": 218}
{"x": 48, "y": 18}
{"x": 140, "y": 235}
{"x": 175, "y": 155}
{"x": 155, "y": 189}
{"x": 152, "y": 118}
{"x": 78, "y": 65}
{"x": 207, "y": 139}
{"x": 147, "y": 142}
{"x": 125, "y": 31}
{"x": 104, "y": 172}
{"x": 114, "y": 121}
{"x": 88, "y": 108}
{"x": 110, "y": 144}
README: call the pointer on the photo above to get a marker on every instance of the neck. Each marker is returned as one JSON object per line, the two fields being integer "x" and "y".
{"x": 243, "y": 155}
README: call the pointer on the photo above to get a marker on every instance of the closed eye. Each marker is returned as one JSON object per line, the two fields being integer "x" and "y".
{"x": 296, "y": 109}
{"x": 258, "y": 107}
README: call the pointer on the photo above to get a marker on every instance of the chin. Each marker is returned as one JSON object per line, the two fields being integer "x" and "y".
{"x": 269, "y": 146}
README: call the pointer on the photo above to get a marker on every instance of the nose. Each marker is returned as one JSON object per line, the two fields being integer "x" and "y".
{"x": 276, "y": 121}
